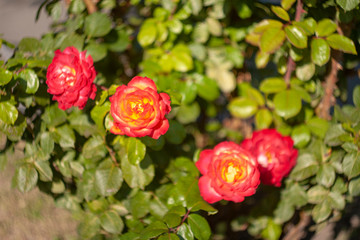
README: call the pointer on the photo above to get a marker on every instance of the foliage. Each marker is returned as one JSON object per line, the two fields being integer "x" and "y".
{"x": 230, "y": 67}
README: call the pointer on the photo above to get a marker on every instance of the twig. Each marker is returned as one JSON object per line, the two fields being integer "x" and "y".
{"x": 297, "y": 232}
{"x": 90, "y": 5}
{"x": 111, "y": 152}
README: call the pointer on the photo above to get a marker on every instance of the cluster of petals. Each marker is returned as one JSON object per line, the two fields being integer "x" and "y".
{"x": 70, "y": 78}
{"x": 232, "y": 172}
{"x": 138, "y": 110}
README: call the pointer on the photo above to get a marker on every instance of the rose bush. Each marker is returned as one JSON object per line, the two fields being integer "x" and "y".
{"x": 229, "y": 172}
{"x": 275, "y": 154}
{"x": 138, "y": 110}
{"x": 70, "y": 78}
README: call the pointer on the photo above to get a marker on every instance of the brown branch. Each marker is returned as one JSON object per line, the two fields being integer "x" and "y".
{"x": 297, "y": 232}
{"x": 91, "y": 6}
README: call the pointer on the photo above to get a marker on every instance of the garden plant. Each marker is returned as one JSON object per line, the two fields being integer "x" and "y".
{"x": 189, "y": 119}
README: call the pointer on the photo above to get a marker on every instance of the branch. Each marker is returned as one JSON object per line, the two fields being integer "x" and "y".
{"x": 90, "y": 5}
{"x": 297, "y": 232}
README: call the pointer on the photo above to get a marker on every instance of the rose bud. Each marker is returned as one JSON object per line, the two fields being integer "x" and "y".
{"x": 70, "y": 78}
{"x": 139, "y": 110}
{"x": 229, "y": 172}
{"x": 274, "y": 153}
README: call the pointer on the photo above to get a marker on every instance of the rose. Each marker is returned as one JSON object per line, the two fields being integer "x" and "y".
{"x": 274, "y": 153}
{"x": 229, "y": 172}
{"x": 139, "y": 110}
{"x": 70, "y": 78}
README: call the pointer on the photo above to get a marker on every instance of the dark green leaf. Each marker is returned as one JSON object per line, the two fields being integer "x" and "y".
{"x": 320, "y": 51}
{"x": 97, "y": 51}
{"x": 199, "y": 226}
{"x": 43, "y": 167}
{"x": 176, "y": 133}
{"x": 108, "y": 178}
{"x": 153, "y": 230}
{"x": 326, "y": 175}
{"x": 46, "y": 143}
{"x": 332, "y": 136}
{"x": 306, "y": 166}
{"x": 53, "y": 116}
{"x": 89, "y": 226}
{"x": 98, "y": 114}
{"x": 95, "y": 148}
{"x": 172, "y": 219}
{"x": 317, "y": 194}
{"x": 185, "y": 232}
{"x": 351, "y": 164}
{"x": 29, "y": 45}
{"x": 140, "y": 204}
{"x": 64, "y": 136}
{"x": 354, "y": 187}
{"x": 321, "y": 212}
{"x": 97, "y": 24}
{"x": 356, "y": 96}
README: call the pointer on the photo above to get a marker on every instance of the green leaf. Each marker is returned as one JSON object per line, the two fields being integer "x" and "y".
{"x": 286, "y": 4}
{"x": 272, "y": 231}
{"x": 296, "y": 36}
{"x": 351, "y": 164}
{"x": 214, "y": 26}
{"x": 117, "y": 40}
{"x": 172, "y": 219}
{"x": 181, "y": 57}
{"x": 244, "y": 9}
{"x": 280, "y": 12}
{"x": 196, "y": 6}
{"x": 53, "y": 116}
{"x": 97, "y": 24}
{"x": 153, "y": 230}
{"x": 169, "y": 236}
{"x": 95, "y": 148}
{"x": 89, "y": 226}
{"x": 140, "y": 204}
{"x": 348, "y": 5}
{"x": 111, "y": 222}
{"x": 354, "y": 187}
{"x": 199, "y": 226}
{"x": 108, "y": 178}
{"x": 356, "y": 96}
{"x": 306, "y": 167}
{"x": 266, "y": 24}
{"x": 96, "y": 50}
{"x": 43, "y": 167}
{"x": 25, "y": 177}
{"x": 317, "y": 194}
{"x": 242, "y": 107}
{"x": 263, "y": 119}
{"x": 332, "y": 136}
{"x": 326, "y": 175}
{"x": 9, "y": 113}
{"x": 46, "y": 143}
{"x": 325, "y": 27}
{"x": 31, "y": 79}
{"x": 287, "y": 103}
{"x": 320, "y": 51}
{"x": 137, "y": 175}
{"x": 147, "y": 33}
{"x": 305, "y": 71}
{"x": 174, "y": 25}
{"x": 207, "y": 88}
{"x": 341, "y": 43}
{"x": 201, "y": 32}
{"x": 272, "y": 85}
{"x": 135, "y": 150}
{"x": 188, "y": 113}
{"x": 81, "y": 124}
{"x": 301, "y": 135}
{"x": 5, "y": 76}
{"x": 98, "y": 114}
{"x": 295, "y": 195}
{"x": 318, "y": 126}
{"x": 29, "y": 45}
{"x": 271, "y": 40}
{"x": 64, "y": 136}
{"x": 262, "y": 59}
{"x": 321, "y": 212}
{"x": 336, "y": 200}
{"x": 283, "y": 212}
{"x": 185, "y": 232}
{"x": 176, "y": 133}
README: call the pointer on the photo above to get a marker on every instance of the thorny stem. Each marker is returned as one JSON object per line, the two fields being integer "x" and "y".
{"x": 90, "y": 5}
{"x": 182, "y": 221}
{"x": 291, "y": 64}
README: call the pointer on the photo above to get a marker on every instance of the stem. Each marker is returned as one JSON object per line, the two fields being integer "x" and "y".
{"x": 291, "y": 64}
{"x": 183, "y": 220}
{"x": 90, "y": 5}
{"x": 297, "y": 232}
{"x": 112, "y": 153}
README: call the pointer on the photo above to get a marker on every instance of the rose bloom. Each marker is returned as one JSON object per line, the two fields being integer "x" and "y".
{"x": 229, "y": 172}
{"x": 274, "y": 153}
{"x": 139, "y": 110}
{"x": 70, "y": 78}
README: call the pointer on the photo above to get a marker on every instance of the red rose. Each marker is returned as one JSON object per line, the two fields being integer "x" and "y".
{"x": 274, "y": 153}
{"x": 229, "y": 172}
{"x": 70, "y": 78}
{"x": 139, "y": 110}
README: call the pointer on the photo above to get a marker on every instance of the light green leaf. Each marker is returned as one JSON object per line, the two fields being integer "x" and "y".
{"x": 321, "y": 212}
{"x": 272, "y": 85}
{"x": 301, "y": 136}
{"x": 336, "y": 200}
{"x": 46, "y": 143}
{"x": 64, "y": 136}
{"x": 332, "y": 136}
{"x": 9, "y": 113}
{"x": 111, "y": 222}
{"x": 320, "y": 51}
{"x": 348, "y": 5}
{"x": 98, "y": 114}
{"x": 196, "y": 6}
{"x": 351, "y": 164}
{"x": 31, "y": 79}
{"x": 135, "y": 150}
{"x": 108, "y": 178}
{"x": 306, "y": 166}
{"x": 262, "y": 26}
{"x": 174, "y": 25}
{"x": 280, "y": 12}
{"x": 261, "y": 59}
{"x": 26, "y": 177}
{"x": 263, "y": 119}
{"x": 181, "y": 58}
{"x": 97, "y": 24}
{"x": 97, "y": 51}
{"x": 271, "y": 40}
{"x": 296, "y": 36}
{"x": 95, "y": 148}
{"x": 188, "y": 113}
{"x": 317, "y": 194}
{"x": 354, "y": 187}
{"x": 147, "y": 33}
{"x": 140, "y": 204}
{"x": 207, "y": 88}
{"x": 272, "y": 231}
{"x": 185, "y": 232}
{"x": 287, "y": 103}
{"x": 341, "y": 43}
{"x": 356, "y": 96}
{"x": 5, "y": 76}
{"x": 242, "y": 107}
{"x": 326, "y": 175}
{"x": 201, "y": 32}
{"x": 44, "y": 170}
{"x": 214, "y": 26}
{"x": 325, "y": 27}
{"x": 286, "y": 4}
{"x": 318, "y": 126}
{"x": 305, "y": 71}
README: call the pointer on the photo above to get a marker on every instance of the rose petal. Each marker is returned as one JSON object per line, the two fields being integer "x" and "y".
{"x": 206, "y": 191}
{"x": 204, "y": 160}
{"x": 142, "y": 83}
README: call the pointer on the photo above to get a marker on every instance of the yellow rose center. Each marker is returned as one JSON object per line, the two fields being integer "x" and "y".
{"x": 230, "y": 173}
{"x": 138, "y": 108}
{"x": 69, "y": 75}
